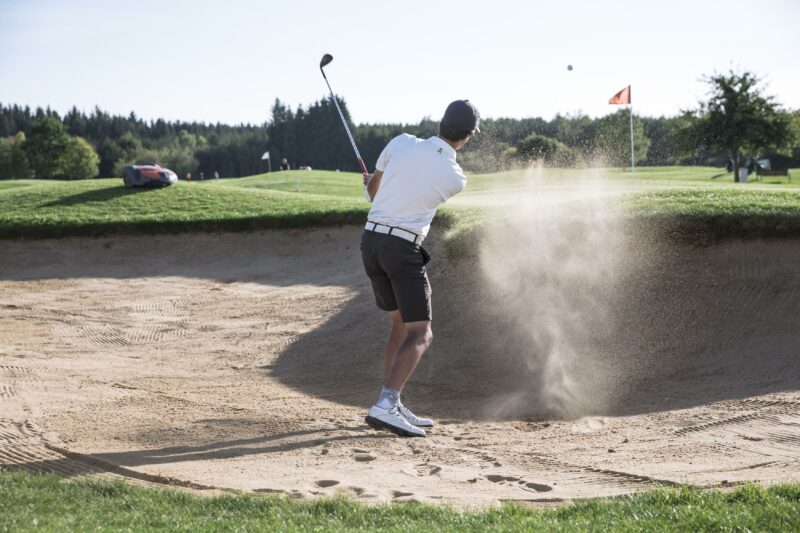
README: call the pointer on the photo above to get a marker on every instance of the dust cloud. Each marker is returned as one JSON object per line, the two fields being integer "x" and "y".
{"x": 553, "y": 265}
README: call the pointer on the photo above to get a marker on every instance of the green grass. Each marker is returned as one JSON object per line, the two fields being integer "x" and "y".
{"x": 17, "y": 184}
{"x": 96, "y": 207}
{"x": 699, "y": 195}
{"x": 345, "y": 184}
{"x": 349, "y": 184}
{"x": 48, "y": 503}
{"x": 745, "y": 202}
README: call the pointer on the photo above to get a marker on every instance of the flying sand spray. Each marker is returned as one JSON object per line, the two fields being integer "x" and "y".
{"x": 563, "y": 256}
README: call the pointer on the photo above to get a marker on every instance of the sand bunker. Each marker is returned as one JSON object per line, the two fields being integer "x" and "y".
{"x": 246, "y": 361}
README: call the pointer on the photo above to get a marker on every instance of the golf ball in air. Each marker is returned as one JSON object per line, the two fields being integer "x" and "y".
{"x": 569, "y": 67}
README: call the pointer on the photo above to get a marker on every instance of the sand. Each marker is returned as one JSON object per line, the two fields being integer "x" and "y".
{"x": 247, "y": 362}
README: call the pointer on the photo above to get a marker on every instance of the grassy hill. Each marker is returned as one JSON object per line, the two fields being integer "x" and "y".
{"x": 38, "y": 208}
{"x": 41, "y": 208}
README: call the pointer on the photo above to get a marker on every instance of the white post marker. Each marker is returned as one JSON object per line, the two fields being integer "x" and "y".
{"x": 633, "y": 161}
{"x": 624, "y": 97}
{"x": 264, "y": 156}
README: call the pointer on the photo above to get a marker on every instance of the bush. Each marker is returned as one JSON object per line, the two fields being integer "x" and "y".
{"x": 80, "y": 161}
{"x": 537, "y": 147}
{"x": 46, "y": 147}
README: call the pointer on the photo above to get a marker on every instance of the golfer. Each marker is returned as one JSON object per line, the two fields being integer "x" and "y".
{"x": 412, "y": 178}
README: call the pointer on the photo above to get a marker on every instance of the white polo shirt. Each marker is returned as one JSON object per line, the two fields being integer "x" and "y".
{"x": 418, "y": 176}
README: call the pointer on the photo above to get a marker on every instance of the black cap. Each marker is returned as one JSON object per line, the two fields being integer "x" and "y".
{"x": 462, "y": 115}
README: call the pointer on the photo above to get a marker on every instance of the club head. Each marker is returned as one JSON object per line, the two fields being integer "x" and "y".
{"x": 327, "y": 58}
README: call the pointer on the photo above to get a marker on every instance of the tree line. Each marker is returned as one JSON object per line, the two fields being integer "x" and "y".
{"x": 736, "y": 120}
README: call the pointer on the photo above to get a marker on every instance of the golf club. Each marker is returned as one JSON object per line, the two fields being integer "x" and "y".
{"x": 327, "y": 58}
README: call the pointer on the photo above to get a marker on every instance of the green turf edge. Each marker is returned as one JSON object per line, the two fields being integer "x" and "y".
{"x": 309, "y": 219}
{"x": 460, "y": 237}
{"x": 50, "y": 503}
{"x": 699, "y": 215}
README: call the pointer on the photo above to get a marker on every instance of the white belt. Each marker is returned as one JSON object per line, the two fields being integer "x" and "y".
{"x": 394, "y": 232}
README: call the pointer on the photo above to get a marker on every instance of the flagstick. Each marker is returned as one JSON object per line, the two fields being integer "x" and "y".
{"x": 633, "y": 161}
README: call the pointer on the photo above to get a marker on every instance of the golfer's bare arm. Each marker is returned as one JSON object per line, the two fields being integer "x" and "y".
{"x": 373, "y": 182}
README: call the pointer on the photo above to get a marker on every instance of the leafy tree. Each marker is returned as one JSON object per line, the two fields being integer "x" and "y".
{"x": 13, "y": 162}
{"x": 739, "y": 118}
{"x": 575, "y": 131}
{"x": 179, "y": 155}
{"x": 110, "y": 153}
{"x": 794, "y": 119}
{"x": 611, "y": 141}
{"x": 127, "y": 149}
{"x": 80, "y": 161}
{"x": 238, "y": 155}
{"x": 46, "y": 146}
{"x": 313, "y": 135}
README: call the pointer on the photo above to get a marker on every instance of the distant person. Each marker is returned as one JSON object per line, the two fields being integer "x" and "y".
{"x": 201, "y": 176}
{"x": 412, "y": 178}
{"x": 188, "y": 176}
{"x": 729, "y": 165}
{"x": 216, "y": 175}
{"x": 285, "y": 164}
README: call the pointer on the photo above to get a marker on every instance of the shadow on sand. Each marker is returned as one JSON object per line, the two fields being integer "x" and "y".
{"x": 695, "y": 325}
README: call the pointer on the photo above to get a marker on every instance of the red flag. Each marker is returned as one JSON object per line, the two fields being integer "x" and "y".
{"x": 622, "y": 97}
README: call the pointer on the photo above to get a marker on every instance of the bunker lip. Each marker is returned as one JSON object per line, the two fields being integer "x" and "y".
{"x": 246, "y": 361}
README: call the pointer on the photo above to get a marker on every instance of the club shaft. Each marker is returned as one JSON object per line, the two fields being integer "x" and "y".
{"x": 346, "y": 128}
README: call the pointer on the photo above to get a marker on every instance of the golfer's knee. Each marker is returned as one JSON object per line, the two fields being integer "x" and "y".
{"x": 420, "y": 334}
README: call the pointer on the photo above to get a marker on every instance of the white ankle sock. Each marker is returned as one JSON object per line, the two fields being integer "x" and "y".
{"x": 389, "y": 398}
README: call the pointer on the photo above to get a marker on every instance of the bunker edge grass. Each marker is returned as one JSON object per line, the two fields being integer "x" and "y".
{"x": 49, "y": 503}
{"x": 686, "y": 198}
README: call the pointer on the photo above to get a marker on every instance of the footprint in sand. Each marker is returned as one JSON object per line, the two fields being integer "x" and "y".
{"x": 363, "y": 456}
{"x": 7, "y": 391}
{"x": 423, "y": 470}
{"x": 519, "y": 483}
{"x": 325, "y": 483}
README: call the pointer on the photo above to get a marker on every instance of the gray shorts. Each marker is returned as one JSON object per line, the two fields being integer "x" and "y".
{"x": 396, "y": 268}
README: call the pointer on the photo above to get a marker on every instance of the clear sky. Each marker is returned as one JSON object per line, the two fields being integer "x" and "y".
{"x": 395, "y": 61}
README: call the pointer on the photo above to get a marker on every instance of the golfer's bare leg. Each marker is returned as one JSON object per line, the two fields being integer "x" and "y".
{"x": 418, "y": 337}
{"x": 396, "y": 337}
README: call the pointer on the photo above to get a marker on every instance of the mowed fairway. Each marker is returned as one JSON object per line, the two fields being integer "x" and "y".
{"x": 221, "y": 335}
{"x": 37, "y": 208}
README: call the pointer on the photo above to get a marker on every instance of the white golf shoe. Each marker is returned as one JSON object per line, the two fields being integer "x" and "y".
{"x": 414, "y": 419}
{"x": 391, "y": 419}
